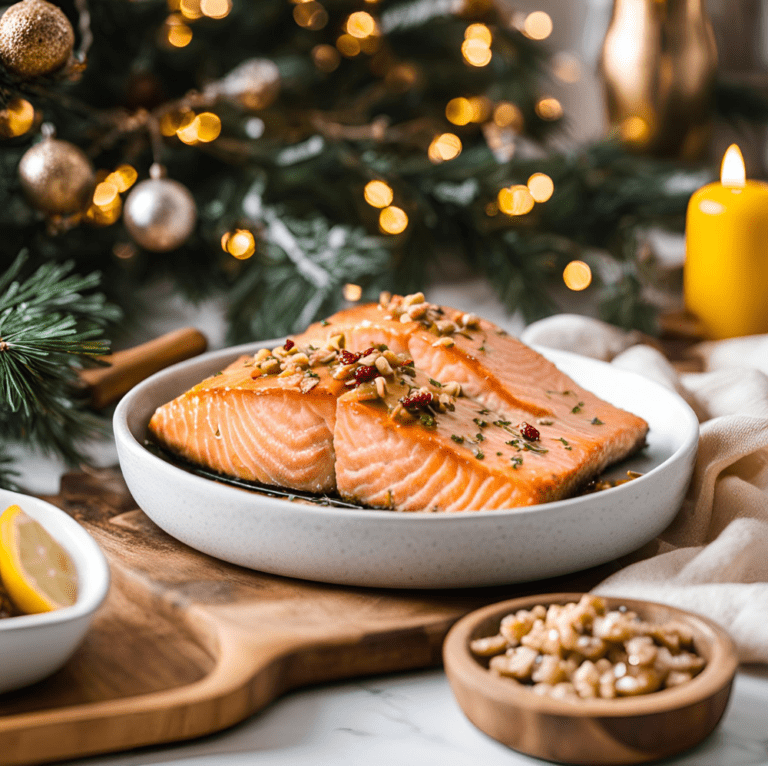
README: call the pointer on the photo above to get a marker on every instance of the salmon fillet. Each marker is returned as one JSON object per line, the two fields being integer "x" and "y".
{"x": 271, "y": 429}
{"x": 407, "y": 406}
{"x": 493, "y": 367}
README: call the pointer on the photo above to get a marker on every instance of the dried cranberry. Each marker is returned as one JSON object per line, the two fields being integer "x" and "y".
{"x": 366, "y": 372}
{"x": 529, "y": 432}
{"x": 289, "y": 344}
{"x": 367, "y": 351}
{"x": 417, "y": 401}
{"x": 348, "y": 357}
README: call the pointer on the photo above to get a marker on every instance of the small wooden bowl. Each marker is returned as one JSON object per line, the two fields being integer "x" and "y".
{"x": 619, "y": 731}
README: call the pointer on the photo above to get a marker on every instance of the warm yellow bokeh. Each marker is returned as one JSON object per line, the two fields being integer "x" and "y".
{"x": 378, "y": 194}
{"x": 190, "y": 9}
{"x": 352, "y": 293}
{"x": 549, "y": 109}
{"x": 515, "y": 200}
{"x": 348, "y": 46}
{"x": 541, "y": 187}
{"x": 393, "y": 220}
{"x": 216, "y": 9}
{"x": 124, "y": 177}
{"x": 479, "y": 32}
{"x": 476, "y": 52}
{"x": 481, "y": 108}
{"x": 240, "y": 244}
{"x": 310, "y": 15}
{"x": 507, "y": 115}
{"x": 446, "y": 146}
{"x": 326, "y": 57}
{"x": 577, "y": 275}
{"x": 458, "y": 111}
{"x": 208, "y": 126}
{"x": 104, "y": 194}
{"x": 634, "y": 130}
{"x": 179, "y": 34}
{"x": 360, "y": 24}
{"x": 538, "y": 25}
{"x": 17, "y": 118}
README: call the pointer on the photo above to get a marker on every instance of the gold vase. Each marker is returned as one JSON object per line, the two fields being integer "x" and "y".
{"x": 658, "y": 66}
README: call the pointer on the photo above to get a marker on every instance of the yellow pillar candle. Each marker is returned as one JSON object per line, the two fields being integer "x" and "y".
{"x": 726, "y": 266}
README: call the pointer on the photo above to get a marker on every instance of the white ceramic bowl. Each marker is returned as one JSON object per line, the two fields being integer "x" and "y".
{"x": 35, "y": 645}
{"x": 404, "y": 550}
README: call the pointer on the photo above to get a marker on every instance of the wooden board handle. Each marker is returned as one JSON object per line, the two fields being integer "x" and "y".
{"x": 131, "y": 366}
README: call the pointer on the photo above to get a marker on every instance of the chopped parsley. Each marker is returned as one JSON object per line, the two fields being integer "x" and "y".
{"x": 427, "y": 420}
{"x": 501, "y": 423}
{"x": 216, "y": 374}
{"x": 482, "y": 348}
{"x": 435, "y": 383}
{"x": 516, "y": 462}
{"x": 480, "y": 423}
{"x": 457, "y": 439}
{"x": 577, "y": 408}
{"x": 324, "y": 323}
{"x": 483, "y": 411}
{"x": 311, "y": 374}
{"x": 565, "y": 443}
{"x": 597, "y": 422}
{"x": 480, "y": 437}
{"x": 479, "y": 455}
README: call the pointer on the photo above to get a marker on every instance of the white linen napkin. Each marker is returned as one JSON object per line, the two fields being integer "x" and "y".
{"x": 713, "y": 558}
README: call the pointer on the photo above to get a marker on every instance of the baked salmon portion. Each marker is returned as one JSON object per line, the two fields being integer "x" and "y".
{"x": 267, "y": 418}
{"x": 492, "y": 367}
{"x": 422, "y": 446}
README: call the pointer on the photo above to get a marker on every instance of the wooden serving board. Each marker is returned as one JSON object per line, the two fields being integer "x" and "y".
{"x": 186, "y": 645}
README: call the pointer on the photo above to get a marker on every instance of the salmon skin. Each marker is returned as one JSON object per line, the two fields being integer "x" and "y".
{"x": 402, "y": 405}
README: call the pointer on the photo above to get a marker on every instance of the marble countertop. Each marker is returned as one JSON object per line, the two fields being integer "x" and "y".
{"x": 404, "y": 719}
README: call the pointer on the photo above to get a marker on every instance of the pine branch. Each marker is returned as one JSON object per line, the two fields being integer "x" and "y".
{"x": 49, "y": 328}
{"x": 7, "y": 474}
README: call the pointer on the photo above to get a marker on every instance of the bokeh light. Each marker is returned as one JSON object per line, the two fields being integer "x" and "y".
{"x": 481, "y": 108}
{"x": 239, "y": 244}
{"x": 179, "y": 33}
{"x": 577, "y": 275}
{"x": 216, "y": 9}
{"x": 123, "y": 178}
{"x": 566, "y": 67}
{"x": 515, "y": 200}
{"x": 360, "y": 25}
{"x": 541, "y": 187}
{"x": 507, "y": 115}
{"x": 393, "y": 220}
{"x": 190, "y": 9}
{"x": 104, "y": 194}
{"x": 549, "y": 108}
{"x": 352, "y": 293}
{"x": 208, "y": 126}
{"x": 537, "y": 25}
{"x": 446, "y": 146}
{"x": 325, "y": 57}
{"x": 634, "y": 130}
{"x": 479, "y": 32}
{"x": 378, "y": 194}
{"x": 476, "y": 52}
{"x": 17, "y": 118}
{"x": 310, "y": 15}
{"x": 348, "y": 46}
{"x": 459, "y": 111}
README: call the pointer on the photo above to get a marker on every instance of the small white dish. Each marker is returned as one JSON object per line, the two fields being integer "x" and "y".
{"x": 413, "y": 550}
{"x": 35, "y": 645}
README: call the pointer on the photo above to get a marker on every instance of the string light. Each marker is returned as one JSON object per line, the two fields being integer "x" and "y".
{"x": 360, "y": 25}
{"x": 239, "y": 243}
{"x": 479, "y": 32}
{"x": 549, "y": 109}
{"x": 17, "y": 118}
{"x": 352, "y": 293}
{"x": 476, "y": 52}
{"x": 348, "y": 46}
{"x": 123, "y": 178}
{"x": 507, "y": 115}
{"x": 393, "y": 220}
{"x": 515, "y": 200}
{"x": 541, "y": 187}
{"x": 104, "y": 194}
{"x": 179, "y": 34}
{"x": 310, "y": 15}
{"x": 458, "y": 111}
{"x": 577, "y": 276}
{"x": 216, "y": 9}
{"x": 481, "y": 108}
{"x": 326, "y": 57}
{"x": 190, "y": 9}
{"x": 634, "y": 129}
{"x": 446, "y": 146}
{"x": 208, "y": 126}
{"x": 378, "y": 194}
{"x": 537, "y": 25}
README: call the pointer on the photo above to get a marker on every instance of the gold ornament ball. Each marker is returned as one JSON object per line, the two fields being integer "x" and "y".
{"x": 160, "y": 214}
{"x": 36, "y": 38}
{"x": 56, "y": 177}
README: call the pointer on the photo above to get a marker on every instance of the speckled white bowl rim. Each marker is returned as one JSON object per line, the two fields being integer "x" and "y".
{"x": 42, "y": 643}
{"x": 650, "y": 501}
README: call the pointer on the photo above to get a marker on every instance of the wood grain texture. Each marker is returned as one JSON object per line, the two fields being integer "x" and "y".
{"x": 186, "y": 645}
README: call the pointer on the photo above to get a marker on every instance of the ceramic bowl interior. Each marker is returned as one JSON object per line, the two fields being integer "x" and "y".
{"x": 377, "y": 548}
{"x": 615, "y": 731}
{"x": 40, "y": 644}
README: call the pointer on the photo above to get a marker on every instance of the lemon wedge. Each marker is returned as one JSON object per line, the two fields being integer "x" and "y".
{"x": 36, "y": 571}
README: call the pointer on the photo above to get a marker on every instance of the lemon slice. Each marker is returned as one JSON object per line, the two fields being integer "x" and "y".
{"x": 36, "y": 571}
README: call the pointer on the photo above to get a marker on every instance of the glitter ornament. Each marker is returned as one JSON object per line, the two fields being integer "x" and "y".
{"x": 159, "y": 213}
{"x": 36, "y": 39}
{"x": 56, "y": 177}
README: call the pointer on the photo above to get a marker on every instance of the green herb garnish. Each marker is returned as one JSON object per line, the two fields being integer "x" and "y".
{"x": 597, "y": 422}
{"x": 457, "y": 439}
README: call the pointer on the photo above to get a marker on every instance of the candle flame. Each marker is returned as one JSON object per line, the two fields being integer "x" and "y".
{"x": 732, "y": 172}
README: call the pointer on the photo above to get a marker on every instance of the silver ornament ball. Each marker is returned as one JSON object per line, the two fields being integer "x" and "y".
{"x": 160, "y": 214}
